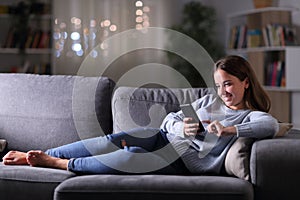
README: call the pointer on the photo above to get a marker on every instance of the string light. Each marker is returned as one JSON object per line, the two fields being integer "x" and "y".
{"x": 138, "y": 3}
{"x": 142, "y": 18}
{"x": 83, "y": 38}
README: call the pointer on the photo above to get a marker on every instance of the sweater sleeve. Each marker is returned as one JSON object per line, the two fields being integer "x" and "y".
{"x": 173, "y": 123}
{"x": 257, "y": 125}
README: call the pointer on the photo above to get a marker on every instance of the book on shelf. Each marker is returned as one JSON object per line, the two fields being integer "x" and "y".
{"x": 10, "y": 38}
{"x": 32, "y": 39}
{"x": 275, "y": 74}
{"x": 44, "y": 40}
{"x": 290, "y": 35}
{"x": 271, "y": 35}
{"x": 279, "y": 35}
{"x": 238, "y": 37}
{"x": 29, "y": 38}
{"x": 242, "y": 41}
{"x": 254, "y": 38}
{"x": 36, "y": 39}
{"x": 25, "y": 67}
{"x": 266, "y": 38}
{"x": 232, "y": 39}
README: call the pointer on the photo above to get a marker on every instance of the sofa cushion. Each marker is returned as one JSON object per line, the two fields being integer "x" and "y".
{"x": 25, "y": 182}
{"x": 147, "y": 107}
{"x": 41, "y": 111}
{"x": 148, "y": 187}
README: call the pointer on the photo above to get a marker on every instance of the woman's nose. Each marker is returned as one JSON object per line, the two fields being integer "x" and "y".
{"x": 222, "y": 90}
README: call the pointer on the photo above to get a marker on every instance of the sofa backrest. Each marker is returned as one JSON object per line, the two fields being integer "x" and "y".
{"x": 42, "y": 111}
{"x": 147, "y": 107}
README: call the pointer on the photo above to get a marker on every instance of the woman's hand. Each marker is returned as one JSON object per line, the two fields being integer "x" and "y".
{"x": 189, "y": 128}
{"x": 218, "y": 129}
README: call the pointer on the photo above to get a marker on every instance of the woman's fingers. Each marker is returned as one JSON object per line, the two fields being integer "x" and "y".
{"x": 190, "y": 128}
{"x": 215, "y": 127}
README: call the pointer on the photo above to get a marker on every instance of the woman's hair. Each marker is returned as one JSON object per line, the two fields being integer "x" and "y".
{"x": 255, "y": 96}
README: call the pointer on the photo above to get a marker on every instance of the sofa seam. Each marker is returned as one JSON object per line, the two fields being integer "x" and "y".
{"x": 30, "y": 117}
{"x": 34, "y": 181}
{"x": 152, "y": 101}
{"x": 143, "y": 191}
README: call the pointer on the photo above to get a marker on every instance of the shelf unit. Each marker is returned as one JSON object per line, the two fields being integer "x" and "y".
{"x": 33, "y": 53}
{"x": 260, "y": 35}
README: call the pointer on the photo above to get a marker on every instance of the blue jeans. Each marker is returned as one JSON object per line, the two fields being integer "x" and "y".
{"x": 141, "y": 150}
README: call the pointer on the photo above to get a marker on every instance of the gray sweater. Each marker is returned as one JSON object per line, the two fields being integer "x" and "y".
{"x": 205, "y": 153}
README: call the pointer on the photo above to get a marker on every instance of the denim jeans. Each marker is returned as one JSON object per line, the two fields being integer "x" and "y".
{"x": 141, "y": 150}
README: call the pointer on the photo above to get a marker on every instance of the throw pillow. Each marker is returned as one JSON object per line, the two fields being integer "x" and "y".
{"x": 2, "y": 145}
{"x": 238, "y": 156}
{"x": 283, "y": 129}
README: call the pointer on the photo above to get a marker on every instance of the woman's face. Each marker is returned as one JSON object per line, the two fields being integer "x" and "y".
{"x": 231, "y": 89}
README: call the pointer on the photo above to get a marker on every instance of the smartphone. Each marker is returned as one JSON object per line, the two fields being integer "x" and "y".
{"x": 189, "y": 111}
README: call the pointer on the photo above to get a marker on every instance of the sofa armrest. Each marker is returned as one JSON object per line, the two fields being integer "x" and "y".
{"x": 275, "y": 167}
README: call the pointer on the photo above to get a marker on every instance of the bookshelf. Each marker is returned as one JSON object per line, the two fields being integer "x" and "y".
{"x": 267, "y": 38}
{"x": 25, "y": 36}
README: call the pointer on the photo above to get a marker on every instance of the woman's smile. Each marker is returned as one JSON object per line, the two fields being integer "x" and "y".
{"x": 230, "y": 89}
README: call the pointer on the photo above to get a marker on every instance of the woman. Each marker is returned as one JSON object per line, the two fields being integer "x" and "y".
{"x": 238, "y": 110}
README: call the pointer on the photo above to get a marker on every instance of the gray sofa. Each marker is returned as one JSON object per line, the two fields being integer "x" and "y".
{"x": 41, "y": 111}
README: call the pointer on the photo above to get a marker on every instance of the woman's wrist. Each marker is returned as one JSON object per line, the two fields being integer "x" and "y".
{"x": 229, "y": 130}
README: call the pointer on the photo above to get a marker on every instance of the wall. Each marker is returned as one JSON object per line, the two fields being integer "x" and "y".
{"x": 164, "y": 13}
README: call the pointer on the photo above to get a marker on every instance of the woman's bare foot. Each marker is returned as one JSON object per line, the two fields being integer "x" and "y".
{"x": 15, "y": 158}
{"x": 41, "y": 159}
